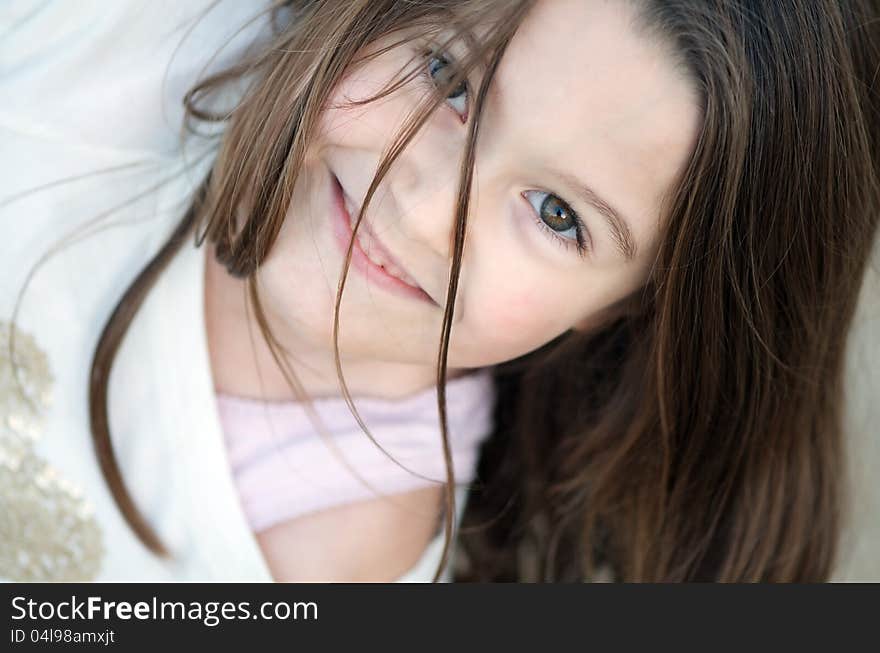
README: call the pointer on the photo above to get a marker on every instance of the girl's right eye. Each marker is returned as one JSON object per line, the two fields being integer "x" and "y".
{"x": 439, "y": 70}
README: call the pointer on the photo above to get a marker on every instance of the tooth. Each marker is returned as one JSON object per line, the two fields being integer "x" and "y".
{"x": 394, "y": 272}
{"x": 376, "y": 257}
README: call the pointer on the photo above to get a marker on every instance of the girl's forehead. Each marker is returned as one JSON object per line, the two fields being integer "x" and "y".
{"x": 582, "y": 87}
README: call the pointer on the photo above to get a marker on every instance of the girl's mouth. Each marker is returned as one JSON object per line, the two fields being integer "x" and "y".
{"x": 369, "y": 256}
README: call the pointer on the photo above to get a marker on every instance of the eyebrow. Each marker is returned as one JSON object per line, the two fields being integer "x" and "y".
{"x": 620, "y": 230}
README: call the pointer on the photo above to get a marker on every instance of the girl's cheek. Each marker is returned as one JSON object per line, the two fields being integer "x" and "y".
{"x": 519, "y": 317}
{"x": 370, "y": 123}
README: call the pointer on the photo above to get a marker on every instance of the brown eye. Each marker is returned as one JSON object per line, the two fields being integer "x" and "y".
{"x": 556, "y": 217}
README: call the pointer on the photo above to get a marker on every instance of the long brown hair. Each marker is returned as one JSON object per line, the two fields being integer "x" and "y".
{"x": 695, "y": 434}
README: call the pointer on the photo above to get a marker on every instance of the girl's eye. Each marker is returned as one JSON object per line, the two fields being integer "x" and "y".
{"x": 439, "y": 71}
{"x": 556, "y": 217}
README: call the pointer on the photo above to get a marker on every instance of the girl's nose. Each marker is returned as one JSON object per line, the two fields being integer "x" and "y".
{"x": 424, "y": 181}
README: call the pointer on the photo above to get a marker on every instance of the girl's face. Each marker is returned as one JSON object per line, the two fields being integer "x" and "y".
{"x": 586, "y": 127}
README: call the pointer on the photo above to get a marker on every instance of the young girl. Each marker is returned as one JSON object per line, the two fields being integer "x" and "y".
{"x": 552, "y": 290}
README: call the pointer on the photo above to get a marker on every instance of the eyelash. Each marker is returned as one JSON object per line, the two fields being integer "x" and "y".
{"x": 579, "y": 243}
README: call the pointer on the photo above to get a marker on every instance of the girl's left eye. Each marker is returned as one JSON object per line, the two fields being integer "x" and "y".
{"x": 439, "y": 70}
{"x": 556, "y": 217}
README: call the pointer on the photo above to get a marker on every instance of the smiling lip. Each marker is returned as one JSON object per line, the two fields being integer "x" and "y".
{"x": 359, "y": 260}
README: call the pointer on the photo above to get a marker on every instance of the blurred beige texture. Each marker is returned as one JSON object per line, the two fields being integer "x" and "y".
{"x": 860, "y": 546}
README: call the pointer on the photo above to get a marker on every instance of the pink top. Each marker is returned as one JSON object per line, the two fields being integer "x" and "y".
{"x": 283, "y": 467}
